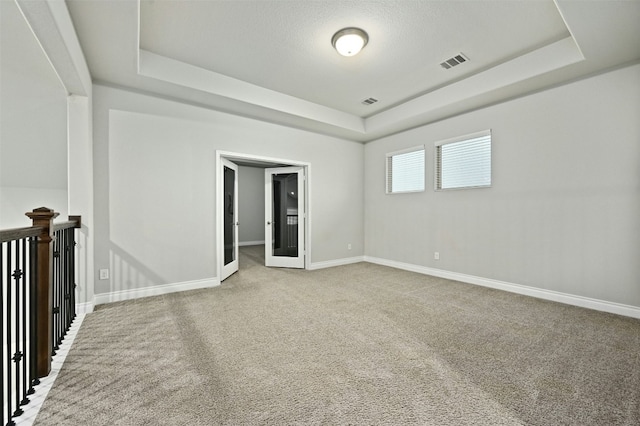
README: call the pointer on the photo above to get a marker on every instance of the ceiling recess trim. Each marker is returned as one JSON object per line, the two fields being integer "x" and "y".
{"x": 51, "y": 25}
{"x": 548, "y": 58}
{"x": 177, "y": 72}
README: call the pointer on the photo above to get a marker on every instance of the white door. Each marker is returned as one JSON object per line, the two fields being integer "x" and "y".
{"x": 285, "y": 217}
{"x": 229, "y": 203}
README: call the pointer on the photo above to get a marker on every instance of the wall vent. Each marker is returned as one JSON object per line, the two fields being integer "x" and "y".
{"x": 454, "y": 61}
{"x": 369, "y": 101}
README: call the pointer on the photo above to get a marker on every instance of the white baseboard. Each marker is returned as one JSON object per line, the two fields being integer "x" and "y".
{"x": 569, "y": 299}
{"x": 85, "y": 308}
{"x": 336, "y": 262}
{"x": 251, "y": 243}
{"x": 117, "y": 296}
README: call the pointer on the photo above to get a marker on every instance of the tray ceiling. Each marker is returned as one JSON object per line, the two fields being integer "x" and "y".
{"x": 273, "y": 60}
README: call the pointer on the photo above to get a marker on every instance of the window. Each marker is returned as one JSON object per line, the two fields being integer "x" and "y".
{"x": 464, "y": 162}
{"x": 405, "y": 170}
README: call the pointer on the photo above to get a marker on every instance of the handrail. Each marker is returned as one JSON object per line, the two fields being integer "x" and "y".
{"x": 34, "y": 231}
{"x": 19, "y": 233}
{"x": 73, "y": 222}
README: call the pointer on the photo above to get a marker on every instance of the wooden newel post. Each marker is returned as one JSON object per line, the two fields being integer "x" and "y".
{"x": 44, "y": 294}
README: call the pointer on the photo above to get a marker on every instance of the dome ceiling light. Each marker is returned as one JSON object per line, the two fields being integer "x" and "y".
{"x": 349, "y": 41}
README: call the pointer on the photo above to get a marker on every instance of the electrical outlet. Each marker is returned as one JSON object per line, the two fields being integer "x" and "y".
{"x": 349, "y": 246}
{"x": 436, "y": 255}
{"x": 104, "y": 274}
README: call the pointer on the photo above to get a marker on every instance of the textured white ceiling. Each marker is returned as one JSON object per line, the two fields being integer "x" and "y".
{"x": 286, "y": 45}
{"x": 272, "y": 59}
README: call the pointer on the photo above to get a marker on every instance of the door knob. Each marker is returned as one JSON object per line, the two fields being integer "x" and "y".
{"x": 268, "y": 223}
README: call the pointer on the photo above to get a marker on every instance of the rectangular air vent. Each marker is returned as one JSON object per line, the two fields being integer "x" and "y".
{"x": 454, "y": 61}
{"x": 369, "y": 101}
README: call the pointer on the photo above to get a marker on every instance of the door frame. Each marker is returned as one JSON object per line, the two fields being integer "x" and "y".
{"x": 261, "y": 161}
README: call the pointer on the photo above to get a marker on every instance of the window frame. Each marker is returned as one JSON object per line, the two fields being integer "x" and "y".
{"x": 388, "y": 185}
{"x": 438, "y": 161}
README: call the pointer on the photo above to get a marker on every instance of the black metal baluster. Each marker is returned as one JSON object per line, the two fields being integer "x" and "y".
{"x": 54, "y": 313}
{"x": 33, "y": 279}
{"x": 8, "y": 337}
{"x": 60, "y": 236}
{"x": 63, "y": 280}
{"x": 25, "y": 330}
{"x": 65, "y": 287}
{"x": 63, "y": 252}
{"x": 56, "y": 284}
{"x": 70, "y": 278}
{"x": 2, "y": 331}
{"x": 17, "y": 356}
{"x": 56, "y": 295}
{"x": 72, "y": 267}
{"x": 61, "y": 289}
{"x": 8, "y": 332}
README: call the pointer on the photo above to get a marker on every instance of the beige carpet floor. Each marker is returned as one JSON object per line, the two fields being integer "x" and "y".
{"x": 359, "y": 344}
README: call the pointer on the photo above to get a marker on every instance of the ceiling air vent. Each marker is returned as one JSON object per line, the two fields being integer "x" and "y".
{"x": 369, "y": 101}
{"x": 452, "y": 62}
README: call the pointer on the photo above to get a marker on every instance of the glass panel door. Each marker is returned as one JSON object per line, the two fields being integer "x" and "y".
{"x": 285, "y": 218}
{"x": 230, "y": 218}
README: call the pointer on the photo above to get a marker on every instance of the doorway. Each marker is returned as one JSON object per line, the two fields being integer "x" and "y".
{"x": 286, "y": 217}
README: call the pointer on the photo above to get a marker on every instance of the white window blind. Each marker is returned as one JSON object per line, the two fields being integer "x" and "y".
{"x": 405, "y": 170}
{"x": 464, "y": 162}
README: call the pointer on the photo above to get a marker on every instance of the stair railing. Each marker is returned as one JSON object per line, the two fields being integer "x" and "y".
{"x": 37, "y": 268}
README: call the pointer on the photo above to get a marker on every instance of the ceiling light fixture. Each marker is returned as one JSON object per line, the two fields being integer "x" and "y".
{"x": 349, "y": 41}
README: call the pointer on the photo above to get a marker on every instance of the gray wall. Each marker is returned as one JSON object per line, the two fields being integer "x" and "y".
{"x": 33, "y": 125}
{"x": 251, "y": 204}
{"x": 154, "y": 186}
{"x": 564, "y": 210}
